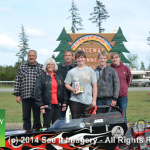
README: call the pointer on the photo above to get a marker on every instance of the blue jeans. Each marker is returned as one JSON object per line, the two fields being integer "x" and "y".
{"x": 103, "y": 102}
{"x": 122, "y": 103}
{"x": 63, "y": 113}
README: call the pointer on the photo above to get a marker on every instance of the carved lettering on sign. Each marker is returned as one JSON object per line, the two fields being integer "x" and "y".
{"x": 91, "y": 50}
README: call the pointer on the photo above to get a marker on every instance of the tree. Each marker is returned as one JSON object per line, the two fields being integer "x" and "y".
{"x": 53, "y": 56}
{"x": 99, "y": 15}
{"x": 64, "y": 38}
{"x": 17, "y": 64}
{"x": 148, "y": 57}
{"x": 76, "y": 20}
{"x": 148, "y": 68}
{"x": 7, "y": 73}
{"x": 119, "y": 46}
{"x": 23, "y": 46}
{"x": 142, "y": 66}
{"x": 133, "y": 58}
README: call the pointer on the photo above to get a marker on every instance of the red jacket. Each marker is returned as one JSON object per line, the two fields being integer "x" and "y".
{"x": 125, "y": 78}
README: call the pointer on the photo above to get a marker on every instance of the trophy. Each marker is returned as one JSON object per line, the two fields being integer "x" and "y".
{"x": 79, "y": 89}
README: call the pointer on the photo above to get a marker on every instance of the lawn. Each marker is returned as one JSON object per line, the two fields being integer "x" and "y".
{"x": 13, "y": 110}
{"x": 138, "y": 106}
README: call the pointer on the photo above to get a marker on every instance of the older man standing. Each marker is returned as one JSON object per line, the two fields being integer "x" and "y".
{"x": 63, "y": 70}
{"x": 24, "y": 90}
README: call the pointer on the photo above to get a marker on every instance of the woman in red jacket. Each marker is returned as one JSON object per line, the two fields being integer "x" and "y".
{"x": 125, "y": 79}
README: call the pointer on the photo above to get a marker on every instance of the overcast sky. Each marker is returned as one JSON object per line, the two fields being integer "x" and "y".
{"x": 44, "y": 20}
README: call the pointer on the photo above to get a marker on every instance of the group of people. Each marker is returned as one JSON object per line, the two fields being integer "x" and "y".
{"x": 51, "y": 88}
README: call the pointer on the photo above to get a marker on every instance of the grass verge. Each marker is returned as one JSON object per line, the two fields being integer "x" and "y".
{"x": 138, "y": 107}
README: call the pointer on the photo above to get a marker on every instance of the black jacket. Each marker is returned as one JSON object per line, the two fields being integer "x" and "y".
{"x": 63, "y": 70}
{"x": 43, "y": 90}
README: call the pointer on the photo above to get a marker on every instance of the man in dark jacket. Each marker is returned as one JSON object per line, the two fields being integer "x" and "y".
{"x": 107, "y": 82}
{"x": 63, "y": 70}
{"x": 24, "y": 90}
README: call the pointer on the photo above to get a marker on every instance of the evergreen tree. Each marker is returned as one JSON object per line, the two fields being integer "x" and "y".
{"x": 76, "y": 19}
{"x": 63, "y": 38}
{"x": 133, "y": 58}
{"x": 53, "y": 56}
{"x": 148, "y": 39}
{"x": 148, "y": 57}
{"x": 17, "y": 64}
{"x": 142, "y": 66}
{"x": 23, "y": 46}
{"x": 7, "y": 73}
{"x": 119, "y": 46}
{"x": 148, "y": 68}
{"x": 99, "y": 15}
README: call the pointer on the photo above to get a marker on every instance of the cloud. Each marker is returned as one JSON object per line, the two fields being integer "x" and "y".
{"x": 136, "y": 37}
{"x": 7, "y": 42}
{"x": 8, "y": 59}
{"x": 9, "y": 56}
{"x": 6, "y": 10}
{"x": 118, "y": 11}
{"x": 34, "y": 32}
{"x": 45, "y": 52}
{"x": 137, "y": 46}
{"x": 52, "y": 41}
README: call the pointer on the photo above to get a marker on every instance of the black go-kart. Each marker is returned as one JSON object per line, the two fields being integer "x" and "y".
{"x": 93, "y": 131}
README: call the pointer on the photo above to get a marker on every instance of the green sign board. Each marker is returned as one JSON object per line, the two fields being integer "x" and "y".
{"x": 2, "y": 127}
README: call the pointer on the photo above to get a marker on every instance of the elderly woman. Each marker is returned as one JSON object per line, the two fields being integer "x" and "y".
{"x": 50, "y": 93}
{"x": 125, "y": 79}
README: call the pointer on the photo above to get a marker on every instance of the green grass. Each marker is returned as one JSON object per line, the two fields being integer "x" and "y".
{"x": 8, "y": 87}
{"x": 138, "y": 106}
{"x": 13, "y": 110}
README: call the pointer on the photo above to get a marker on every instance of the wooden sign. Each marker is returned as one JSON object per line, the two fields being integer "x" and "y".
{"x": 92, "y": 44}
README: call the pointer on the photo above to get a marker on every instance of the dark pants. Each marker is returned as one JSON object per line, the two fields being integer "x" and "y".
{"x": 77, "y": 109}
{"x": 27, "y": 105}
{"x": 51, "y": 115}
{"x": 122, "y": 103}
